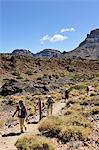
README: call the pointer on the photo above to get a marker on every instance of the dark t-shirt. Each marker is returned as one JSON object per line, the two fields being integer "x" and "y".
{"x": 21, "y": 111}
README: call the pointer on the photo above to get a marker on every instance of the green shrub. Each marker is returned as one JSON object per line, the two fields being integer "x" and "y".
{"x": 29, "y": 72}
{"x": 31, "y": 142}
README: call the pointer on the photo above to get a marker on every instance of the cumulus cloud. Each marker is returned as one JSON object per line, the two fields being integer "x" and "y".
{"x": 58, "y": 38}
{"x": 44, "y": 38}
{"x": 67, "y": 30}
{"x": 54, "y": 38}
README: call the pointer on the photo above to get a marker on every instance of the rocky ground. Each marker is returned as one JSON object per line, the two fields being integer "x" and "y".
{"x": 9, "y": 135}
{"x": 30, "y": 79}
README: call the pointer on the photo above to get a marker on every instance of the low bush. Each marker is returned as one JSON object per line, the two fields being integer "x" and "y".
{"x": 1, "y": 123}
{"x": 75, "y": 132}
{"x": 19, "y": 77}
{"x": 67, "y": 127}
{"x": 56, "y": 96}
{"x": 16, "y": 73}
{"x": 29, "y": 72}
{"x": 49, "y": 123}
{"x": 31, "y": 142}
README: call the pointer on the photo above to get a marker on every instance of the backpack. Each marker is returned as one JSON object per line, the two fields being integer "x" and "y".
{"x": 50, "y": 101}
{"x": 21, "y": 112}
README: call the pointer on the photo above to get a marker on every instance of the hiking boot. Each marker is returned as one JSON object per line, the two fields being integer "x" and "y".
{"x": 22, "y": 131}
{"x": 25, "y": 128}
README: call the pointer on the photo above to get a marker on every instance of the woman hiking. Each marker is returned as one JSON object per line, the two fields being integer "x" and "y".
{"x": 22, "y": 114}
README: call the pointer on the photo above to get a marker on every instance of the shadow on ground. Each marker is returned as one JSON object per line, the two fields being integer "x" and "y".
{"x": 33, "y": 122}
{"x": 11, "y": 134}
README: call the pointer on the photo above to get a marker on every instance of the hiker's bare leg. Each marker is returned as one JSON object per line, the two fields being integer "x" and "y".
{"x": 21, "y": 124}
{"x": 66, "y": 102}
{"x": 51, "y": 109}
{"x": 23, "y": 119}
{"x": 48, "y": 111}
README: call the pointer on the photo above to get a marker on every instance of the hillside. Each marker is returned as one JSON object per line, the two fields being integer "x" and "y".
{"x": 29, "y": 79}
{"x": 22, "y": 52}
{"x": 88, "y": 49}
{"x": 46, "y": 53}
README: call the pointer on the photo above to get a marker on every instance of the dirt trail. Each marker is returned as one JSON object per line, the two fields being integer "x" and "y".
{"x": 7, "y": 143}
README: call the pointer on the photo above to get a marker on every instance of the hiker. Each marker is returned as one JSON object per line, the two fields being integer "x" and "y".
{"x": 40, "y": 109}
{"x": 66, "y": 95}
{"x": 89, "y": 89}
{"x": 22, "y": 114}
{"x": 50, "y": 102}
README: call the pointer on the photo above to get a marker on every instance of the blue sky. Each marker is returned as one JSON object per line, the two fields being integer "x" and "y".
{"x": 40, "y": 24}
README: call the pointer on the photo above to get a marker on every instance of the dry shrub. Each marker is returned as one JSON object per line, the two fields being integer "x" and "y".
{"x": 66, "y": 127}
{"x": 2, "y": 122}
{"x": 56, "y": 96}
{"x": 31, "y": 142}
{"x": 49, "y": 123}
{"x": 76, "y": 132}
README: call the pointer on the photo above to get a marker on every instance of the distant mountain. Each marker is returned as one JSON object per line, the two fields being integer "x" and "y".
{"x": 48, "y": 53}
{"x": 22, "y": 52}
{"x": 88, "y": 49}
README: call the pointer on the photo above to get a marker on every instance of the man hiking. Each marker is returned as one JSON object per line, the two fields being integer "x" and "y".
{"x": 66, "y": 95}
{"x": 50, "y": 102}
{"x": 22, "y": 114}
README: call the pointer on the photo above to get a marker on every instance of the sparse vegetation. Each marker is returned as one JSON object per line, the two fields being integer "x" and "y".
{"x": 56, "y": 96}
{"x": 29, "y": 72}
{"x": 16, "y": 73}
{"x": 67, "y": 127}
{"x": 31, "y": 142}
{"x": 57, "y": 75}
{"x": 1, "y": 123}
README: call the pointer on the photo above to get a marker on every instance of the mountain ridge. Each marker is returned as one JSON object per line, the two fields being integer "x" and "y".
{"x": 87, "y": 49}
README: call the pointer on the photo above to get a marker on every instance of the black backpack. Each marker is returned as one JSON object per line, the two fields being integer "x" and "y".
{"x": 50, "y": 101}
{"x": 21, "y": 111}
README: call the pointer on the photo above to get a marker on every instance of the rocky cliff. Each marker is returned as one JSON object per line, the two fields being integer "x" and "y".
{"x": 22, "y": 52}
{"x": 48, "y": 53}
{"x": 88, "y": 49}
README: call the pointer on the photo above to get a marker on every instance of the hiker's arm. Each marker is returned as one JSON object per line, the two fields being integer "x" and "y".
{"x": 26, "y": 115}
{"x": 15, "y": 112}
{"x": 53, "y": 100}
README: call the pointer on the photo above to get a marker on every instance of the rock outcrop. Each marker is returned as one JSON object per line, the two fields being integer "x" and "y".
{"x": 48, "y": 53}
{"x": 22, "y": 52}
{"x": 88, "y": 49}
{"x": 11, "y": 87}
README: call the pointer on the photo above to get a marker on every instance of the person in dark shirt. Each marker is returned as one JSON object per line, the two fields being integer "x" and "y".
{"x": 22, "y": 114}
{"x": 50, "y": 102}
{"x": 66, "y": 96}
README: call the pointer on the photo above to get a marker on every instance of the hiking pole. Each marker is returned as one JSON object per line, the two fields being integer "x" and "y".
{"x": 40, "y": 109}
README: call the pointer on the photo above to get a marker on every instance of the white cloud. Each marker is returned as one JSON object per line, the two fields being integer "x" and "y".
{"x": 44, "y": 38}
{"x": 58, "y": 38}
{"x": 54, "y": 38}
{"x": 67, "y": 30}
